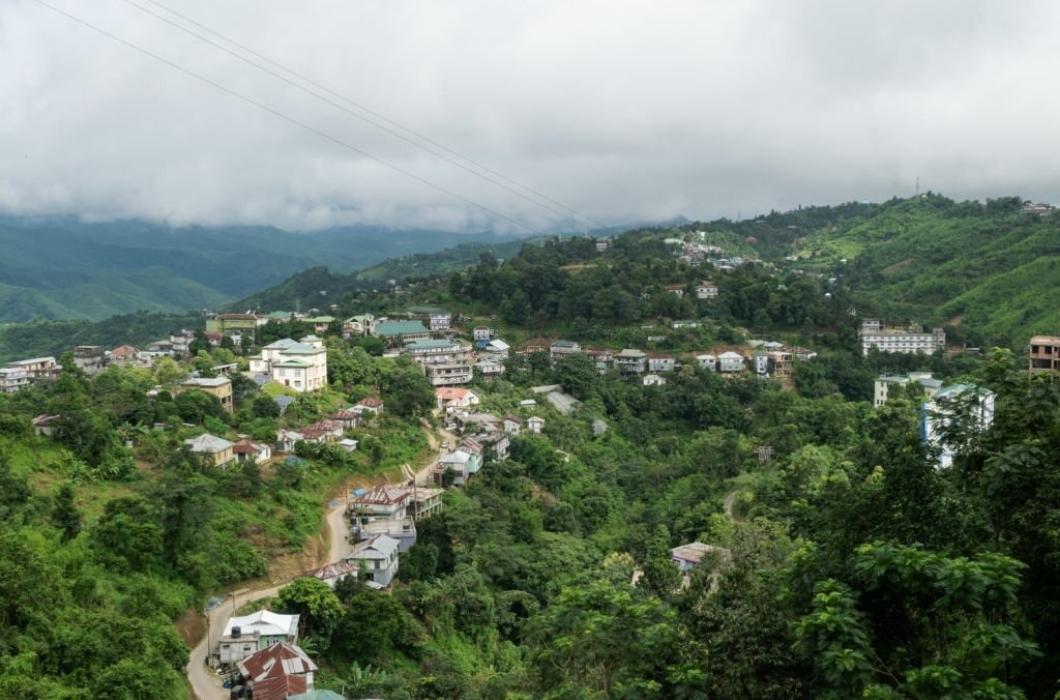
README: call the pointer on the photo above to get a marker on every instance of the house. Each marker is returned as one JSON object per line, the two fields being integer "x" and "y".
{"x": 158, "y": 348}
{"x": 512, "y": 424}
{"x": 348, "y": 445}
{"x": 449, "y": 374}
{"x": 599, "y": 427}
{"x": 180, "y": 343}
{"x": 760, "y": 363}
{"x": 482, "y": 333}
{"x": 706, "y": 290}
{"x": 358, "y": 325}
{"x": 653, "y": 380}
{"x": 400, "y": 332}
{"x": 963, "y": 406}
{"x": 489, "y": 369}
{"x": 707, "y": 361}
{"x": 439, "y": 320}
{"x": 563, "y": 348}
{"x": 333, "y": 573}
{"x": 124, "y": 355}
{"x": 886, "y": 382}
{"x": 277, "y": 672}
{"x": 321, "y": 323}
{"x": 218, "y": 387}
{"x": 13, "y": 379}
{"x": 299, "y": 365}
{"x": 685, "y": 323}
{"x": 45, "y": 424}
{"x": 426, "y": 502}
{"x": 287, "y": 439}
{"x": 1043, "y": 355}
{"x": 676, "y": 289}
{"x": 730, "y": 362}
{"x": 631, "y": 361}
{"x": 244, "y": 636}
{"x": 661, "y": 363}
{"x": 535, "y": 424}
{"x": 498, "y": 347}
{"x": 231, "y": 323}
{"x": 217, "y": 450}
{"x": 534, "y": 345}
{"x": 323, "y": 431}
{"x": 910, "y": 339}
{"x": 369, "y": 404}
{"x": 245, "y": 450}
{"x": 688, "y": 556}
{"x": 90, "y": 359}
{"x": 385, "y": 510}
{"x": 451, "y": 398}
{"x": 379, "y": 555}
{"x": 346, "y": 417}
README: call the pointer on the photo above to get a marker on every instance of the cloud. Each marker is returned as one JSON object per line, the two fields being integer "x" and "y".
{"x": 622, "y": 110}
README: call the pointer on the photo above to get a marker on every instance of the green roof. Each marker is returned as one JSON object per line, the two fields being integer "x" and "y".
{"x": 320, "y": 319}
{"x": 430, "y": 344}
{"x": 299, "y": 364}
{"x": 388, "y": 328}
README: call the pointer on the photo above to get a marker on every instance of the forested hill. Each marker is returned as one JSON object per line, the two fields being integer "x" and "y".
{"x": 989, "y": 272}
{"x": 67, "y": 269}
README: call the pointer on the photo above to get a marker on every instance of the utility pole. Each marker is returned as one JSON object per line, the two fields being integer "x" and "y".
{"x": 918, "y": 187}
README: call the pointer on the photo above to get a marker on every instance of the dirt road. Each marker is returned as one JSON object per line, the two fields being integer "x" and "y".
{"x": 204, "y": 682}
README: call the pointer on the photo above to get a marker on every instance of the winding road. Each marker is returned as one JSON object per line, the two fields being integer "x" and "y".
{"x": 205, "y": 684}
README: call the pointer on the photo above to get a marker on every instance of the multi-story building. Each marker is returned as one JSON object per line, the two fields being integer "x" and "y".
{"x": 1044, "y": 354}
{"x": 358, "y": 325}
{"x": 563, "y": 348}
{"x": 218, "y": 387}
{"x": 439, "y": 320}
{"x": 445, "y": 362}
{"x": 631, "y": 361}
{"x": 964, "y": 407}
{"x": 707, "y": 361}
{"x": 301, "y": 365}
{"x": 908, "y": 339}
{"x": 13, "y": 379}
{"x": 92, "y": 359}
{"x": 19, "y": 374}
{"x": 706, "y": 290}
{"x": 244, "y": 636}
{"x": 385, "y": 510}
{"x": 180, "y": 343}
{"x": 730, "y": 362}
{"x": 661, "y": 363}
{"x": 885, "y": 382}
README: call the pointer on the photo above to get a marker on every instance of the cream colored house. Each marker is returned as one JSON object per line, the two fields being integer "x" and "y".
{"x": 301, "y": 365}
{"x": 217, "y": 449}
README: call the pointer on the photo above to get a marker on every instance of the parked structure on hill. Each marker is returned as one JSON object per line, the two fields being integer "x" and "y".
{"x": 900, "y": 339}
{"x": 1043, "y": 355}
{"x": 299, "y": 365}
{"x": 953, "y": 416}
{"x": 885, "y": 383}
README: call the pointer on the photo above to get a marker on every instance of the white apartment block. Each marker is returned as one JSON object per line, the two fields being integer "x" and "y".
{"x": 885, "y": 382}
{"x": 910, "y": 339}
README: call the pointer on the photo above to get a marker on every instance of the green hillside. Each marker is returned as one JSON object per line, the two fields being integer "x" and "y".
{"x": 989, "y": 270}
{"x": 66, "y": 269}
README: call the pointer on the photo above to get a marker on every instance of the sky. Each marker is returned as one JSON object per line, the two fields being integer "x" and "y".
{"x": 617, "y": 111}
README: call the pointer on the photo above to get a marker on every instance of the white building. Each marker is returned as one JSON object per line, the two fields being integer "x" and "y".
{"x": 760, "y": 362}
{"x": 661, "y": 363}
{"x": 885, "y": 382}
{"x": 379, "y": 555}
{"x": 245, "y": 636}
{"x": 482, "y": 333}
{"x": 535, "y": 424}
{"x": 13, "y": 379}
{"x": 729, "y": 362}
{"x": 706, "y": 290}
{"x": 653, "y": 380}
{"x": 707, "y": 361}
{"x": 439, "y": 320}
{"x": 300, "y": 365}
{"x": 959, "y": 406}
{"x": 910, "y": 339}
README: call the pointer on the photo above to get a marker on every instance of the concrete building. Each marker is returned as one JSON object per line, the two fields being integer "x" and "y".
{"x": 730, "y": 362}
{"x": 964, "y": 407}
{"x": 886, "y": 382}
{"x": 246, "y": 635}
{"x": 400, "y": 332}
{"x": 631, "y": 361}
{"x": 300, "y": 365}
{"x": 563, "y": 348}
{"x": 896, "y": 339}
{"x": 218, "y": 450}
{"x": 707, "y": 361}
{"x": 380, "y": 557}
{"x": 1043, "y": 355}
{"x": 218, "y": 387}
{"x": 91, "y": 359}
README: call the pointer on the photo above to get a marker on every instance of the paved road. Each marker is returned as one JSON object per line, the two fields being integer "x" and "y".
{"x": 204, "y": 682}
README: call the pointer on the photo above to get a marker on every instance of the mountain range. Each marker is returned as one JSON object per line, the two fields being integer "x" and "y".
{"x": 63, "y": 268}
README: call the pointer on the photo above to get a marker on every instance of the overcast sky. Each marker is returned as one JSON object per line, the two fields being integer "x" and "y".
{"x": 623, "y": 111}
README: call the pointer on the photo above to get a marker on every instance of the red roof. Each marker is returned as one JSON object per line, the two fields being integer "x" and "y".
{"x": 370, "y": 402}
{"x": 124, "y": 351}
{"x": 246, "y": 447}
{"x": 384, "y": 495}
{"x": 278, "y": 671}
{"x": 345, "y": 414}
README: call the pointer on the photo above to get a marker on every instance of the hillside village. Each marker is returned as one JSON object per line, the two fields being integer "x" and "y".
{"x": 397, "y": 413}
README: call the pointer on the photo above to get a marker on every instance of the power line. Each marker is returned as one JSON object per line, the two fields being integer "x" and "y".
{"x": 435, "y": 148}
{"x": 286, "y": 117}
